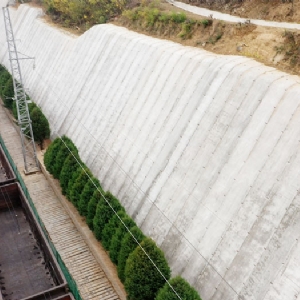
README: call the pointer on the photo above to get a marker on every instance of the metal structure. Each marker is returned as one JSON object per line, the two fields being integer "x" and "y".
{"x": 31, "y": 163}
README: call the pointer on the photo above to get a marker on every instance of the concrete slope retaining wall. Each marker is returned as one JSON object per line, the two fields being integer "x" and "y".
{"x": 201, "y": 149}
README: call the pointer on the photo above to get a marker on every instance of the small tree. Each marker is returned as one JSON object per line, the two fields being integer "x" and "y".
{"x": 78, "y": 186}
{"x": 116, "y": 237}
{"x": 69, "y": 168}
{"x": 72, "y": 178}
{"x": 110, "y": 228}
{"x": 40, "y": 126}
{"x": 92, "y": 206}
{"x": 86, "y": 195}
{"x": 4, "y": 77}
{"x": 50, "y": 155}
{"x": 128, "y": 244}
{"x": 67, "y": 147}
{"x": 104, "y": 213}
{"x": 8, "y": 93}
{"x": 182, "y": 288}
{"x": 142, "y": 278}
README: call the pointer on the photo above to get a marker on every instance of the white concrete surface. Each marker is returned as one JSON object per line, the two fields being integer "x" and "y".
{"x": 202, "y": 149}
{"x": 230, "y": 18}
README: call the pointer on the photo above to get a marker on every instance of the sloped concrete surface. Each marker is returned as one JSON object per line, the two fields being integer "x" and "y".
{"x": 202, "y": 149}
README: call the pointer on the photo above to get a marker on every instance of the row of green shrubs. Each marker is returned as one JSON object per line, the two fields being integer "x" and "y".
{"x": 109, "y": 222}
{"x": 40, "y": 125}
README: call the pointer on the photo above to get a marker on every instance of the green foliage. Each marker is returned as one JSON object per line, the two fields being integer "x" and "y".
{"x": 50, "y": 155}
{"x": 131, "y": 14}
{"x": 110, "y": 228}
{"x": 116, "y": 237}
{"x": 154, "y": 20}
{"x": 182, "y": 288}
{"x": 206, "y": 23}
{"x": 84, "y": 12}
{"x": 40, "y": 125}
{"x": 178, "y": 17}
{"x": 14, "y": 110}
{"x": 104, "y": 213}
{"x": 128, "y": 244}
{"x": 185, "y": 32}
{"x": 86, "y": 195}
{"x": 8, "y": 93}
{"x": 69, "y": 168}
{"x": 79, "y": 183}
{"x": 66, "y": 147}
{"x": 72, "y": 179}
{"x": 164, "y": 17}
{"x": 92, "y": 206}
{"x": 142, "y": 279}
{"x": 151, "y": 16}
{"x": 4, "y": 77}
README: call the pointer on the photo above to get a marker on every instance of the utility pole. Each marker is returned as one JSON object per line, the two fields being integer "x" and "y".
{"x": 31, "y": 162}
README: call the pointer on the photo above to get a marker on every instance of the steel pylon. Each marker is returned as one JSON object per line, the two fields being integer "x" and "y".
{"x": 31, "y": 163}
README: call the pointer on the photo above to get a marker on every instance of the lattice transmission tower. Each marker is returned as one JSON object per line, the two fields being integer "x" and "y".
{"x": 28, "y": 146}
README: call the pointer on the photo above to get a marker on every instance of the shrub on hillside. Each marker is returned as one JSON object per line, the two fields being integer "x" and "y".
{"x": 88, "y": 13}
{"x": 116, "y": 237}
{"x": 142, "y": 278}
{"x": 110, "y": 228}
{"x": 87, "y": 194}
{"x": 79, "y": 183}
{"x": 182, "y": 288}
{"x": 128, "y": 244}
{"x": 69, "y": 167}
{"x": 104, "y": 213}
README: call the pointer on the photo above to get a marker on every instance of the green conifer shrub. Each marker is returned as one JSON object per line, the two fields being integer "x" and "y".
{"x": 104, "y": 213}
{"x": 142, "y": 280}
{"x": 79, "y": 183}
{"x": 116, "y": 237}
{"x": 66, "y": 147}
{"x": 86, "y": 195}
{"x": 40, "y": 125}
{"x": 4, "y": 77}
{"x": 50, "y": 154}
{"x": 69, "y": 167}
{"x": 128, "y": 244}
{"x": 8, "y": 93}
{"x": 182, "y": 288}
{"x": 110, "y": 228}
{"x": 92, "y": 206}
